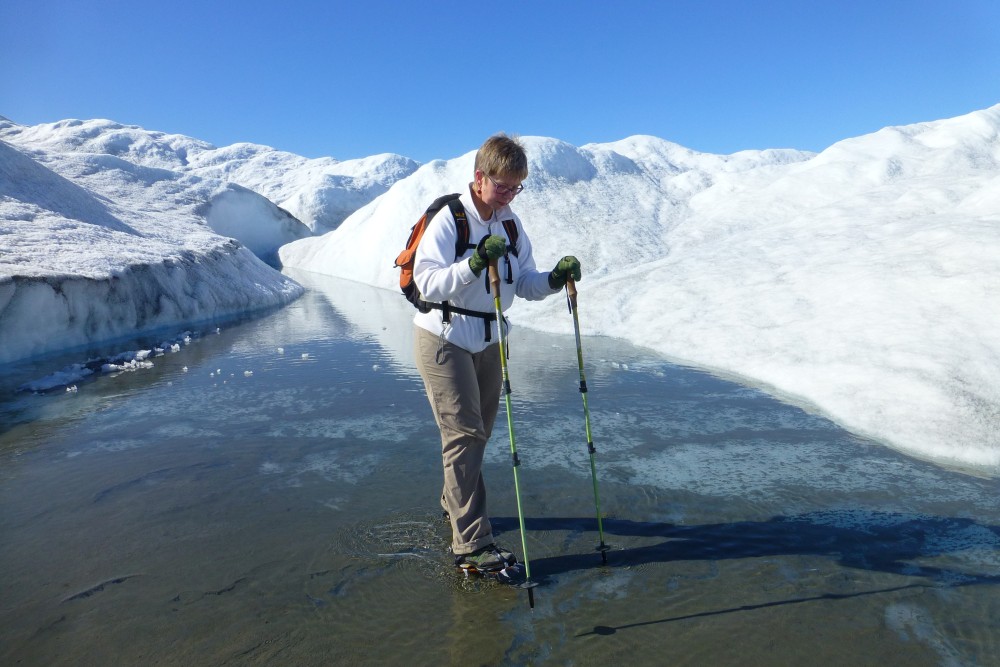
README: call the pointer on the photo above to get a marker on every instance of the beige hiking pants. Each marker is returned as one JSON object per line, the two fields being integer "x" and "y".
{"x": 463, "y": 389}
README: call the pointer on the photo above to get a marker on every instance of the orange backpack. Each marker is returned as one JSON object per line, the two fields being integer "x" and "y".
{"x": 406, "y": 258}
{"x": 404, "y": 262}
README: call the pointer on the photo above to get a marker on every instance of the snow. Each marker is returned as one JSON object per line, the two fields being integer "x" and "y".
{"x": 94, "y": 247}
{"x": 859, "y": 282}
{"x": 319, "y": 192}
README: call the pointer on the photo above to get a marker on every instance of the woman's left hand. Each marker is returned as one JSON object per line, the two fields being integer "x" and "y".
{"x": 568, "y": 267}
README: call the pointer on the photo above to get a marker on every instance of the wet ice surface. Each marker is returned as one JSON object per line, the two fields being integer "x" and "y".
{"x": 267, "y": 495}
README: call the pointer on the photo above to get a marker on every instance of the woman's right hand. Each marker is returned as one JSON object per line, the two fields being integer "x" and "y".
{"x": 490, "y": 247}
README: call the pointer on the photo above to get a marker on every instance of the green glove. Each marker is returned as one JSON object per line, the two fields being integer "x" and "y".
{"x": 490, "y": 247}
{"x": 568, "y": 267}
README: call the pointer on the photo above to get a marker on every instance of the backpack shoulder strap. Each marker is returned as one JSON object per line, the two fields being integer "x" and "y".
{"x": 510, "y": 226}
{"x": 461, "y": 226}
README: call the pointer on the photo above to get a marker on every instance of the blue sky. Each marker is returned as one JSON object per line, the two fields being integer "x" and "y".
{"x": 433, "y": 79}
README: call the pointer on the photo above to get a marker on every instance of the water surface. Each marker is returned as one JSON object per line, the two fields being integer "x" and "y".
{"x": 267, "y": 495}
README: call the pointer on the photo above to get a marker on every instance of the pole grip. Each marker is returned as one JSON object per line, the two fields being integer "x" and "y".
{"x": 494, "y": 278}
{"x": 571, "y": 291}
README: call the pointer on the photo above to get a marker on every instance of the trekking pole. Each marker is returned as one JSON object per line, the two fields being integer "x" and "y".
{"x": 495, "y": 285}
{"x": 571, "y": 296}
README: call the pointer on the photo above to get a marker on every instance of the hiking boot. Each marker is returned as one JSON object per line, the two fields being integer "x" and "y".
{"x": 488, "y": 559}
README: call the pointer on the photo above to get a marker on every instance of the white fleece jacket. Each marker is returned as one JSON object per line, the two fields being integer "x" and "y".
{"x": 441, "y": 277}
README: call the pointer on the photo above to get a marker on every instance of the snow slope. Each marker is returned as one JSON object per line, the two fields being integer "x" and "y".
{"x": 94, "y": 247}
{"x": 861, "y": 280}
{"x": 319, "y": 192}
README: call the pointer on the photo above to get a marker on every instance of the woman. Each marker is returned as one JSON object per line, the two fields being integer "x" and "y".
{"x": 456, "y": 348}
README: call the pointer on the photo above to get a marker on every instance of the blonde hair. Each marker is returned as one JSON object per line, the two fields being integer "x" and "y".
{"x": 501, "y": 155}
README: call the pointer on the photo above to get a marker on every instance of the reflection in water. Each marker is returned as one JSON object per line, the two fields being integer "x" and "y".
{"x": 267, "y": 495}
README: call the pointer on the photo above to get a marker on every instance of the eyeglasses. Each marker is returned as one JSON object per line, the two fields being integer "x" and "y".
{"x": 505, "y": 189}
